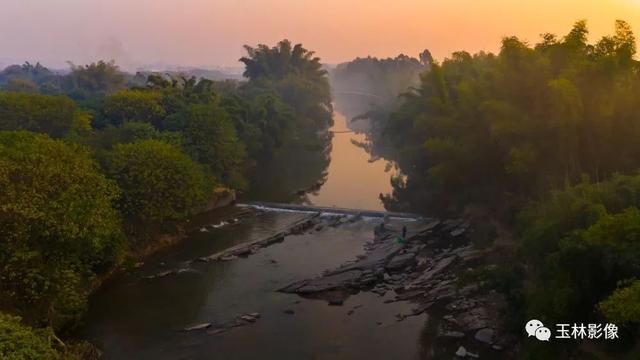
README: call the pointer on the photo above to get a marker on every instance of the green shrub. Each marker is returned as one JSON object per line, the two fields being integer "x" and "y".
{"x": 623, "y": 305}
{"x": 53, "y": 115}
{"x": 581, "y": 242}
{"x": 134, "y": 105}
{"x": 57, "y": 226}
{"x": 158, "y": 181}
{"x": 20, "y": 342}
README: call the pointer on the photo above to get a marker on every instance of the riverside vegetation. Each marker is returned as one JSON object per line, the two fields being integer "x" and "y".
{"x": 96, "y": 163}
{"x": 543, "y": 139}
{"x": 540, "y": 140}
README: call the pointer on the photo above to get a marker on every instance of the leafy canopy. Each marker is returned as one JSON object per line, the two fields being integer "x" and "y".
{"x": 158, "y": 181}
{"x": 53, "y": 115}
{"x": 498, "y": 129}
{"x": 134, "y": 105}
{"x": 19, "y": 342}
{"x": 57, "y": 225}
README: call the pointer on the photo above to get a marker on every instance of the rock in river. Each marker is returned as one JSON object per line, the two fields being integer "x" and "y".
{"x": 462, "y": 352}
{"x": 329, "y": 282}
{"x": 400, "y": 262}
{"x": 197, "y": 327}
{"x": 485, "y": 335}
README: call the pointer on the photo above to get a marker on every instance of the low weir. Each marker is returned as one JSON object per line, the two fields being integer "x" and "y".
{"x": 331, "y": 210}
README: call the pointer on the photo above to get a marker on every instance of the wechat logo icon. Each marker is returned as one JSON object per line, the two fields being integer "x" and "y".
{"x": 536, "y": 328}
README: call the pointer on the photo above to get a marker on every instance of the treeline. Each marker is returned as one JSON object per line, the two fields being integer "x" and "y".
{"x": 545, "y": 138}
{"x": 91, "y": 168}
{"x": 366, "y": 84}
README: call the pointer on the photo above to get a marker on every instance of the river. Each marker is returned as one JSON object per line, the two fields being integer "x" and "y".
{"x": 354, "y": 179}
{"x": 140, "y": 315}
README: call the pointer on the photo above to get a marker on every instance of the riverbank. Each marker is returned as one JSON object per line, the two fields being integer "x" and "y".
{"x": 141, "y": 313}
{"x": 417, "y": 287}
{"x": 224, "y": 285}
{"x": 427, "y": 269}
{"x": 221, "y": 198}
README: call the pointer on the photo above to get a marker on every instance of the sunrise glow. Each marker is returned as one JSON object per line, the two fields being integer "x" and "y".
{"x": 212, "y": 32}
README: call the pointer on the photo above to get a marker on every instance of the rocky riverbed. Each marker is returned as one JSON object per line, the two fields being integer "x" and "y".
{"x": 423, "y": 268}
{"x": 277, "y": 271}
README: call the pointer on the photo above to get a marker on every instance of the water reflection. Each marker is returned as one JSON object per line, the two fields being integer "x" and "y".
{"x": 289, "y": 173}
{"x": 343, "y": 175}
{"x": 354, "y": 179}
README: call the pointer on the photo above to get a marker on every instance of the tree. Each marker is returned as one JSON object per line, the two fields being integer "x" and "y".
{"x": 279, "y": 61}
{"x": 426, "y": 58}
{"x": 18, "y": 84}
{"x": 297, "y": 76}
{"x": 533, "y": 117}
{"x": 20, "y": 342}
{"x": 30, "y": 78}
{"x": 90, "y": 82}
{"x": 134, "y": 105}
{"x": 129, "y": 132}
{"x": 580, "y": 243}
{"x": 210, "y": 138}
{"x": 159, "y": 182}
{"x": 519, "y": 135}
{"x": 58, "y": 228}
{"x": 263, "y": 122}
{"x": 623, "y": 306}
{"x": 53, "y": 115}
{"x": 177, "y": 95}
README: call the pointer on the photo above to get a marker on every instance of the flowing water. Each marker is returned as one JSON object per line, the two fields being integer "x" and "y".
{"x": 136, "y": 317}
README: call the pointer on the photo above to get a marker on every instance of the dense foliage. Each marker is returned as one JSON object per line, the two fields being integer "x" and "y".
{"x": 57, "y": 226}
{"x": 159, "y": 182}
{"x": 104, "y": 140}
{"x": 297, "y": 76}
{"x": 86, "y": 84}
{"x": 89, "y": 83}
{"x": 497, "y": 129}
{"x": 623, "y": 307}
{"x": 263, "y": 121}
{"x": 29, "y": 78}
{"x": 582, "y": 242}
{"x": 210, "y": 137}
{"x": 53, "y": 115}
{"x": 133, "y": 105}
{"x": 95, "y": 162}
{"x": 545, "y": 139}
{"x": 19, "y": 342}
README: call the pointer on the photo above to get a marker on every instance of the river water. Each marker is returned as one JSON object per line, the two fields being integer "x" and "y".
{"x": 354, "y": 179}
{"x": 137, "y": 317}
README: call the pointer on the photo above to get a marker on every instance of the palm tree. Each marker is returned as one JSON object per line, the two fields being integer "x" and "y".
{"x": 277, "y": 62}
{"x": 297, "y": 76}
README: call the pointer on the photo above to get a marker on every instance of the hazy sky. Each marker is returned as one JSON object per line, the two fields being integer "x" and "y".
{"x": 212, "y": 32}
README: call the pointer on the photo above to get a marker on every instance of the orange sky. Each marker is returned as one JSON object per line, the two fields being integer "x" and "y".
{"x": 212, "y": 32}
